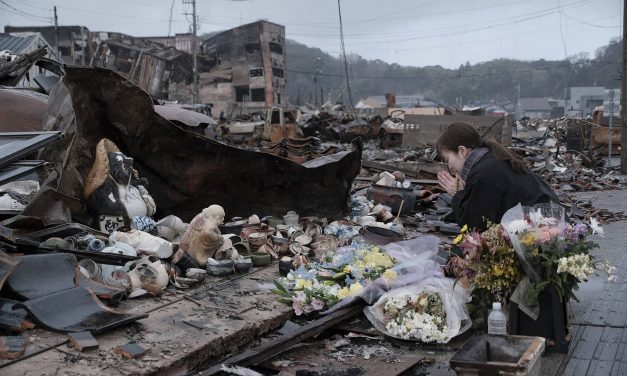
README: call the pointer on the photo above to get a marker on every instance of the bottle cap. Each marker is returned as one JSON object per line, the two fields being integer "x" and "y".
{"x": 496, "y": 305}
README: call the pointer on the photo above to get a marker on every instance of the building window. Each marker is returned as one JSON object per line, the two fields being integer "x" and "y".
{"x": 242, "y": 94}
{"x": 594, "y": 102}
{"x": 278, "y": 98}
{"x": 276, "y": 48}
{"x": 277, "y": 72}
{"x": 258, "y": 95}
{"x": 251, "y": 48}
{"x": 256, "y": 72}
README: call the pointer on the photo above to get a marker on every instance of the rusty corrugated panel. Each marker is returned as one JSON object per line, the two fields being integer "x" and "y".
{"x": 21, "y": 110}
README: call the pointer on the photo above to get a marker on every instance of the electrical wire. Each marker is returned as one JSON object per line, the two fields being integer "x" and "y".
{"x": 22, "y": 13}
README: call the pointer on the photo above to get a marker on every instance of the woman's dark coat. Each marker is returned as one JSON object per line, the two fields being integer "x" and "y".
{"x": 492, "y": 187}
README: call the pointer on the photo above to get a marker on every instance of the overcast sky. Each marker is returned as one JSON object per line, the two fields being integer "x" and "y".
{"x": 407, "y": 32}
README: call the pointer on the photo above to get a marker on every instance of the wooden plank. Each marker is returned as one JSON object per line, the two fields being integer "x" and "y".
{"x": 284, "y": 342}
{"x": 389, "y": 167}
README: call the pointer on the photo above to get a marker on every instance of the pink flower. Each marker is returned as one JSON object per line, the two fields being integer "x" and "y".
{"x": 547, "y": 233}
{"x": 471, "y": 243}
{"x": 308, "y": 308}
{"x": 298, "y": 303}
{"x": 298, "y": 308}
{"x": 317, "y": 304}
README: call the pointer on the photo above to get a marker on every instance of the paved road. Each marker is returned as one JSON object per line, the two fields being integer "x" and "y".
{"x": 599, "y": 344}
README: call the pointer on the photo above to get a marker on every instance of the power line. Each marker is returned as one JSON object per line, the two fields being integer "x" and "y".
{"x": 22, "y": 13}
{"x": 421, "y": 34}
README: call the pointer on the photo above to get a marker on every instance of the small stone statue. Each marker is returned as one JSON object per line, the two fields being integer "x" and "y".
{"x": 115, "y": 196}
{"x": 202, "y": 239}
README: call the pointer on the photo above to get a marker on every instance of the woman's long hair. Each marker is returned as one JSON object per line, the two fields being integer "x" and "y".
{"x": 463, "y": 134}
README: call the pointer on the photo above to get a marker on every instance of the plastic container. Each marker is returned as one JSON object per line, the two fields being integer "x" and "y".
{"x": 497, "y": 321}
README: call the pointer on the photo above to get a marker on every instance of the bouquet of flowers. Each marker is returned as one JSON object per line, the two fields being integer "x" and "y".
{"x": 364, "y": 271}
{"x": 341, "y": 275}
{"x": 553, "y": 252}
{"x": 421, "y": 316}
{"x": 433, "y": 310}
{"x": 488, "y": 266}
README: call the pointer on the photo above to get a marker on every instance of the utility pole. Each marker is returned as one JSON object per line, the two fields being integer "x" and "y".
{"x": 609, "y": 133}
{"x": 516, "y": 117}
{"x": 194, "y": 51}
{"x": 83, "y": 44}
{"x": 461, "y": 105}
{"x": 56, "y": 32}
{"x": 623, "y": 99}
{"x": 317, "y": 62}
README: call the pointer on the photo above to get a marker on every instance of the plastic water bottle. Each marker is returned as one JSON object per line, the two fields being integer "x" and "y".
{"x": 497, "y": 322}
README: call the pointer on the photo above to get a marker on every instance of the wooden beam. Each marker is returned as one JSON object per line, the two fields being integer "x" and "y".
{"x": 284, "y": 342}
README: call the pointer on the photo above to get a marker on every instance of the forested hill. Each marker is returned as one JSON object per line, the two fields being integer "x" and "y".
{"x": 483, "y": 82}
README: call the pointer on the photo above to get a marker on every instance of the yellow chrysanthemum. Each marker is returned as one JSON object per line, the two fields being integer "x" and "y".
{"x": 378, "y": 259}
{"x": 528, "y": 239}
{"x": 355, "y": 288}
{"x": 302, "y": 284}
{"x": 343, "y": 293}
{"x": 347, "y": 269}
{"x": 389, "y": 274}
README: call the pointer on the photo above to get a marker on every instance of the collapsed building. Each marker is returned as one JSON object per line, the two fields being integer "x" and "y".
{"x": 150, "y": 65}
{"x": 13, "y": 45}
{"x": 244, "y": 68}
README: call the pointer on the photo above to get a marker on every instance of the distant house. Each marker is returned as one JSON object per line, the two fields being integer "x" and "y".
{"x": 558, "y": 107}
{"x": 584, "y": 99}
{"x": 75, "y": 42}
{"x": 24, "y": 43}
{"x": 402, "y": 101}
{"x": 534, "y": 108}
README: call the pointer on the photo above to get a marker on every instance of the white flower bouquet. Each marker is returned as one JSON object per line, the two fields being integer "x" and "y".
{"x": 433, "y": 310}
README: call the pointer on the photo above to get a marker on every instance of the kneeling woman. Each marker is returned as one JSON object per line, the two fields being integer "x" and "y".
{"x": 487, "y": 179}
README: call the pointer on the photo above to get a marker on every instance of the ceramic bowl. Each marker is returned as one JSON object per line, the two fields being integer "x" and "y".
{"x": 242, "y": 248}
{"x": 273, "y": 221}
{"x": 242, "y": 266}
{"x": 224, "y": 267}
{"x": 285, "y": 265}
{"x": 303, "y": 239}
{"x": 257, "y": 239}
{"x": 231, "y": 228}
{"x": 260, "y": 259}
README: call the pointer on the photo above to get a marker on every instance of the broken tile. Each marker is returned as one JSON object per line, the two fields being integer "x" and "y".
{"x": 83, "y": 341}
{"x": 12, "y": 347}
{"x": 131, "y": 350}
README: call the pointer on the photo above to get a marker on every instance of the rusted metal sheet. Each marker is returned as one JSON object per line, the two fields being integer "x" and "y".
{"x": 55, "y": 272}
{"x": 600, "y": 136}
{"x": 184, "y": 117}
{"x": 21, "y": 110}
{"x": 186, "y": 172}
{"x": 75, "y": 310}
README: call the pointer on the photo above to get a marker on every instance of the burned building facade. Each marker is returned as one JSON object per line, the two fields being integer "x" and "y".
{"x": 180, "y": 41}
{"x": 150, "y": 65}
{"x": 244, "y": 68}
